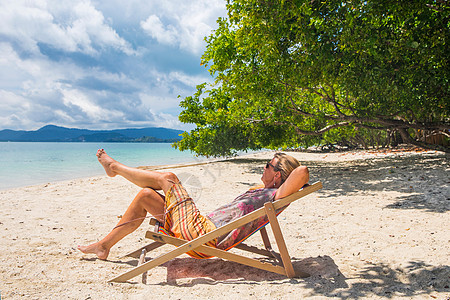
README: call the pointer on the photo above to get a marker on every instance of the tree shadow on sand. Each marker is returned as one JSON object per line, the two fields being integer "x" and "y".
{"x": 381, "y": 280}
{"x": 418, "y": 178}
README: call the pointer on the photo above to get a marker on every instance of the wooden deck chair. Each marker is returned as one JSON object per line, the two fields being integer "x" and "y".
{"x": 284, "y": 265}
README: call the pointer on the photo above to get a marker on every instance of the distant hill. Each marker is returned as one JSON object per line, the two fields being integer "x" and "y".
{"x": 52, "y": 133}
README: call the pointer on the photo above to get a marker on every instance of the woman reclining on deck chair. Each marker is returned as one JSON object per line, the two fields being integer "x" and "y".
{"x": 282, "y": 176}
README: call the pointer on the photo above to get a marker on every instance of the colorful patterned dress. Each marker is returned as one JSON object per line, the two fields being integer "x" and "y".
{"x": 242, "y": 205}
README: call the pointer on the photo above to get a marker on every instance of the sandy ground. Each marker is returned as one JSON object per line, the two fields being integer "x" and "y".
{"x": 379, "y": 228}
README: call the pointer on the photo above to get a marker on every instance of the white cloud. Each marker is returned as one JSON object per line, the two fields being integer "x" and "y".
{"x": 155, "y": 28}
{"x": 89, "y": 28}
{"x": 71, "y": 26}
{"x": 163, "y": 94}
{"x": 166, "y": 120}
{"x": 77, "y": 99}
{"x": 12, "y": 102}
{"x": 184, "y": 23}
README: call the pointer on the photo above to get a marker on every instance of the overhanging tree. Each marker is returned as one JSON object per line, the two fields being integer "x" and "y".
{"x": 297, "y": 73}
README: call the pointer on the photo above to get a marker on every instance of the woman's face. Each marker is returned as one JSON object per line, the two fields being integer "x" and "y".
{"x": 268, "y": 175}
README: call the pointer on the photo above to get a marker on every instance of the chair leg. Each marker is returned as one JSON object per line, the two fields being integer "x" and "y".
{"x": 267, "y": 244}
{"x": 265, "y": 239}
{"x": 141, "y": 261}
{"x": 270, "y": 210}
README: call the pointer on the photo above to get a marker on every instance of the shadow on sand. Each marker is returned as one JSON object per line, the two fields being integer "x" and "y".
{"x": 418, "y": 278}
{"x": 190, "y": 271}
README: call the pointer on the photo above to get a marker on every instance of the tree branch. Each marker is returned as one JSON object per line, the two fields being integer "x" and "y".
{"x": 315, "y": 132}
{"x": 333, "y": 101}
{"x": 386, "y": 123}
{"x": 295, "y": 108}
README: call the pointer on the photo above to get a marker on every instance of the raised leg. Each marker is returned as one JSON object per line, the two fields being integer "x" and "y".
{"x": 142, "y": 178}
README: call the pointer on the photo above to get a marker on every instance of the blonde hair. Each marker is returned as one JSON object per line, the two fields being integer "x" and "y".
{"x": 286, "y": 164}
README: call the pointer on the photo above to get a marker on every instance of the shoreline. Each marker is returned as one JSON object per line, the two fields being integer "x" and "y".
{"x": 378, "y": 229}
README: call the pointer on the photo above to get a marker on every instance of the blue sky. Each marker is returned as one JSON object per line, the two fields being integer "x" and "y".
{"x": 101, "y": 64}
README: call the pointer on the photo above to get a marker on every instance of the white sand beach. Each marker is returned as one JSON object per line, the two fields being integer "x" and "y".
{"x": 379, "y": 228}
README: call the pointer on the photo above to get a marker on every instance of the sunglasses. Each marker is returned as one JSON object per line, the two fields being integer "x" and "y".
{"x": 274, "y": 168}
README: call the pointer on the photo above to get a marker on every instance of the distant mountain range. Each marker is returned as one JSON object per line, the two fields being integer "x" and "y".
{"x": 52, "y": 133}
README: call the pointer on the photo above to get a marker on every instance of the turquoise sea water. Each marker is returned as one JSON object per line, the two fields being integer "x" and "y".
{"x": 23, "y": 164}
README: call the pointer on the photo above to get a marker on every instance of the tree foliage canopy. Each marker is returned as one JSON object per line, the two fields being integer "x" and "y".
{"x": 306, "y": 72}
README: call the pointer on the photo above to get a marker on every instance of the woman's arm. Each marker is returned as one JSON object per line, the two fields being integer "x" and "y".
{"x": 297, "y": 179}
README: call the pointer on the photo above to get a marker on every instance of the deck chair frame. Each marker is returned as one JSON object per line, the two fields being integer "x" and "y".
{"x": 284, "y": 267}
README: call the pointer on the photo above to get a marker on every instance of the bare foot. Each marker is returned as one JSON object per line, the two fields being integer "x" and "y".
{"x": 106, "y": 161}
{"x": 97, "y": 249}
